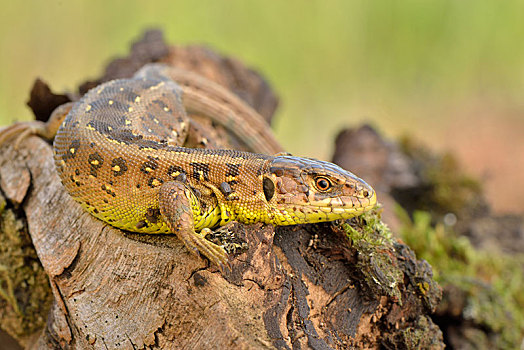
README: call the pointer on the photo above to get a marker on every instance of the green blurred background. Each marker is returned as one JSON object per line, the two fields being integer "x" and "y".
{"x": 448, "y": 72}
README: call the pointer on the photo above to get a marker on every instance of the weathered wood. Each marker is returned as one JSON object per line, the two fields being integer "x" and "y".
{"x": 121, "y": 290}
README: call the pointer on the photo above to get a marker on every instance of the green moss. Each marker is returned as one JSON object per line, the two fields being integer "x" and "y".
{"x": 415, "y": 337}
{"x": 368, "y": 228}
{"x": 3, "y": 203}
{"x": 387, "y": 267}
{"x": 490, "y": 283}
{"x": 25, "y": 295}
{"x": 372, "y": 240}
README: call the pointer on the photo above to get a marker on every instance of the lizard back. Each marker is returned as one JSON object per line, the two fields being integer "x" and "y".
{"x": 121, "y": 142}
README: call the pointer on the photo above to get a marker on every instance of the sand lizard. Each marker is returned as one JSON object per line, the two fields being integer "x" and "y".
{"x": 118, "y": 153}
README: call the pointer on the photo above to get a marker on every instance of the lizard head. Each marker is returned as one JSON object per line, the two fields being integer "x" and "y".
{"x": 303, "y": 190}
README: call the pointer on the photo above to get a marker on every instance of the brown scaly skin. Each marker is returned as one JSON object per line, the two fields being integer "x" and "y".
{"x": 118, "y": 154}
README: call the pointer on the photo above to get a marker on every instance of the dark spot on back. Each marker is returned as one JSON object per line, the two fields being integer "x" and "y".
{"x": 200, "y": 168}
{"x": 124, "y": 135}
{"x": 154, "y": 182}
{"x": 160, "y": 103}
{"x": 95, "y": 161}
{"x": 175, "y": 170}
{"x": 142, "y": 143}
{"x": 120, "y": 165}
{"x": 232, "y": 169}
{"x": 152, "y": 164}
{"x": 100, "y": 126}
{"x": 72, "y": 150}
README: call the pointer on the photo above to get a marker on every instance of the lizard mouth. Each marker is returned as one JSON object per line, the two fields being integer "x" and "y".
{"x": 351, "y": 206}
{"x": 303, "y": 213}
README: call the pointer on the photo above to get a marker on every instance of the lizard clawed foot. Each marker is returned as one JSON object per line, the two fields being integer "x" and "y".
{"x": 196, "y": 243}
{"x": 176, "y": 209}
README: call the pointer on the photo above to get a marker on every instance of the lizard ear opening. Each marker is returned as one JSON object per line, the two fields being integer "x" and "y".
{"x": 269, "y": 188}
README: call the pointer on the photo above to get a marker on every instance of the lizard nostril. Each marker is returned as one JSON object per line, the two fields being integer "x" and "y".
{"x": 365, "y": 193}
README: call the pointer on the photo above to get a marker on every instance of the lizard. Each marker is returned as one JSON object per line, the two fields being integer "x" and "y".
{"x": 118, "y": 153}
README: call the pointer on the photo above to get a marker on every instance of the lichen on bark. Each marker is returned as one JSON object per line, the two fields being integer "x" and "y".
{"x": 25, "y": 296}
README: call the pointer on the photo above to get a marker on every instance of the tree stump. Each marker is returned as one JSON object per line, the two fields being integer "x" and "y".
{"x": 323, "y": 286}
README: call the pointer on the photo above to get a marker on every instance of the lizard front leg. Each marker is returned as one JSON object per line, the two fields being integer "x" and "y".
{"x": 176, "y": 209}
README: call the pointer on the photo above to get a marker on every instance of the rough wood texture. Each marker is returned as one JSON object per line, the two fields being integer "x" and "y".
{"x": 313, "y": 290}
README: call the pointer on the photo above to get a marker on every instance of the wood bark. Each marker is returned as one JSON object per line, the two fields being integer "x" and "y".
{"x": 120, "y": 290}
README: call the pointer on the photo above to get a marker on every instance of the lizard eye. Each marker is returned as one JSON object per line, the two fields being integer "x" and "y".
{"x": 322, "y": 184}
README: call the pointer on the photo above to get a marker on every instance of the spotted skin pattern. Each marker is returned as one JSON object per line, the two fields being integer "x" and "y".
{"x": 118, "y": 154}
